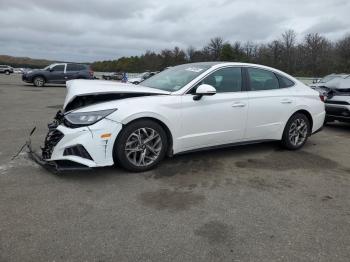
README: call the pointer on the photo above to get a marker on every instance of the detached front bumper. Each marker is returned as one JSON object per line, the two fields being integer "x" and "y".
{"x": 78, "y": 148}
{"x": 54, "y": 166}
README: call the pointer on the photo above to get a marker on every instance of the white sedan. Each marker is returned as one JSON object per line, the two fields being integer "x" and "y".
{"x": 185, "y": 108}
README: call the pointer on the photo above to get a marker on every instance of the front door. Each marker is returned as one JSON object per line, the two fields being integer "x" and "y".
{"x": 218, "y": 119}
{"x": 57, "y": 74}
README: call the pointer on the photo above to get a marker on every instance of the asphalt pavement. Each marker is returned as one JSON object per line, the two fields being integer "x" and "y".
{"x": 247, "y": 203}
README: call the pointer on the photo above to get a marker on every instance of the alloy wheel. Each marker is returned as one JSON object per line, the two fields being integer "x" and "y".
{"x": 298, "y": 132}
{"x": 39, "y": 81}
{"x": 143, "y": 147}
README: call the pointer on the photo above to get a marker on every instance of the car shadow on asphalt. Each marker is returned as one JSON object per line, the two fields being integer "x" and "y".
{"x": 339, "y": 126}
{"x": 207, "y": 157}
{"x": 46, "y": 86}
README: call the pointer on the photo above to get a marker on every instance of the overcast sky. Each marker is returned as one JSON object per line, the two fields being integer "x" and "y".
{"x": 87, "y": 30}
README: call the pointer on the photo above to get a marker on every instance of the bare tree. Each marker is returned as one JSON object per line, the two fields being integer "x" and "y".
{"x": 288, "y": 42}
{"x": 190, "y": 54}
{"x": 343, "y": 54}
{"x": 215, "y": 46}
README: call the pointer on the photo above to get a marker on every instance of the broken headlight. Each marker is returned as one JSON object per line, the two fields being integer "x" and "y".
{"x": 86, "y": 118}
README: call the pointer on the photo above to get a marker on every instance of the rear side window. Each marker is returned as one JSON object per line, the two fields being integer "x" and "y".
{"x": 284, "y": 81}
{"x": 260, "y": 79}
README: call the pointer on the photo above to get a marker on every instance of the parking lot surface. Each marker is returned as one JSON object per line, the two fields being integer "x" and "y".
{"x": 247, "y": 203}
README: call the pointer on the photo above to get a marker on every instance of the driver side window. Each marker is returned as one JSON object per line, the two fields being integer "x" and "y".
{"x": 224, "y": 80}
{"x": 58, "y": 68}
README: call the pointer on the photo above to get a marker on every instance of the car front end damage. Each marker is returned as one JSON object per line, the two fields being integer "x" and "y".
{"x": 77, "y": 148}
{"x": 338, "y": 108}
{"x": 84, "y": 134}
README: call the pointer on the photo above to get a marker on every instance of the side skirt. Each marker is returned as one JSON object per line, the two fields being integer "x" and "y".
{"x": 226, "y": 146}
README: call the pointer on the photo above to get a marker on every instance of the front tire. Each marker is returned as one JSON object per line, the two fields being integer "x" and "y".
{"x": 140, "y": 146}
{"x": 7, "y": 72}
{"x": 39, "y": 81}
{"x": 296, "y": 132}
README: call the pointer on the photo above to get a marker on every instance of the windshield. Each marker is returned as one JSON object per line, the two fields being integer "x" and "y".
{"x": 175, "y": 78}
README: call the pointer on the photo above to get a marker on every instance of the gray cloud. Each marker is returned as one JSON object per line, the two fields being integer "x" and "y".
{"x": 327, "y": 26}
{"x": 107, "y": 29}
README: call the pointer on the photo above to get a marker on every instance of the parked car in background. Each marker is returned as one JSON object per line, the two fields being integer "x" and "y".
{"x": 18, "y": 70}
{"x": 185, "y": 108}
{"x": 5, "y": 69}
{"x": 113, "y": 76}
{"x": 327, "y": 78}
{"x": 58, "y": 74}
{"x": 142, "y": 77}
{"x": 337, "y": 99}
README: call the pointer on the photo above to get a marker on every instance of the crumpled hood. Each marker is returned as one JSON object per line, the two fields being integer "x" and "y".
{"x": 77, "y": 88}
{"x": 338, "y": 83}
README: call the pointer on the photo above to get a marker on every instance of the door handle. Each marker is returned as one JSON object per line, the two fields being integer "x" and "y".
{"x": 238, "y": 104}
{"x": 286, "y": 101}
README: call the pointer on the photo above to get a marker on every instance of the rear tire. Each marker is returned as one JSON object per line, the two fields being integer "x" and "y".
{"x": 39, "y": 81}
{"x": 296, "y": 132}
{"x": 140, "y": 146}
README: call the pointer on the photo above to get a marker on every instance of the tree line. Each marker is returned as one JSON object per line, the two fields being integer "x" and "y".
{"x": 314, "y": 55}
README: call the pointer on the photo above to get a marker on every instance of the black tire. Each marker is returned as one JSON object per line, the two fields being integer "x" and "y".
{"x": 39, "y": 81}
{"x": 7, "y": 72}
{"x": 289, "y": 133}
{"x": 120, "y": 151}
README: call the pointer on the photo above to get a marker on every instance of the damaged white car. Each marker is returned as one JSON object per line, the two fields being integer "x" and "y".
{"x": 182, "y": 109}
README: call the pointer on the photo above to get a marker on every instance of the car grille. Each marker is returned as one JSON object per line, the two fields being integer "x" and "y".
{"x": 52, "y": 138}
{"x": 77, "y": 150}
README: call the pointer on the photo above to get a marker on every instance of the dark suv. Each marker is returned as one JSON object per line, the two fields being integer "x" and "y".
{"x": 5, "y": 69}
{"x": 58, "y": 74}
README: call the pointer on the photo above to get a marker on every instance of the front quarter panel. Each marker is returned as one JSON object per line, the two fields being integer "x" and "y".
{"x": 164, "y": 108}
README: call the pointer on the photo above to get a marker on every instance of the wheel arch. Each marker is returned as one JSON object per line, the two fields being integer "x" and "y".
{"x": 161, "y": 123}
{"x": 39, "y": 75}
{"x": 307, "y": 114}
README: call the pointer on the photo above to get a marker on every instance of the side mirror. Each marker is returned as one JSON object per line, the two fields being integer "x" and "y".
{"x": 204, "y": 90}
{"x": 51, "y": 69}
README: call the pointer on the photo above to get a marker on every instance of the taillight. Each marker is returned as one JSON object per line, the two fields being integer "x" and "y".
{"x": 322, "y": 98}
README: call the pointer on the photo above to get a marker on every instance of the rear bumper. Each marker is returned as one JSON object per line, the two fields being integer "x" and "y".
{"x": 318, "y": 121}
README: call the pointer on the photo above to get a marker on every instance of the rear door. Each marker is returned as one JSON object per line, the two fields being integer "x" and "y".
{"x": 270, "y": 103}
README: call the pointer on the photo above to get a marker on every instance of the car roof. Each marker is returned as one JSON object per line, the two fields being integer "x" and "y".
{"x": 224, "y": 63}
